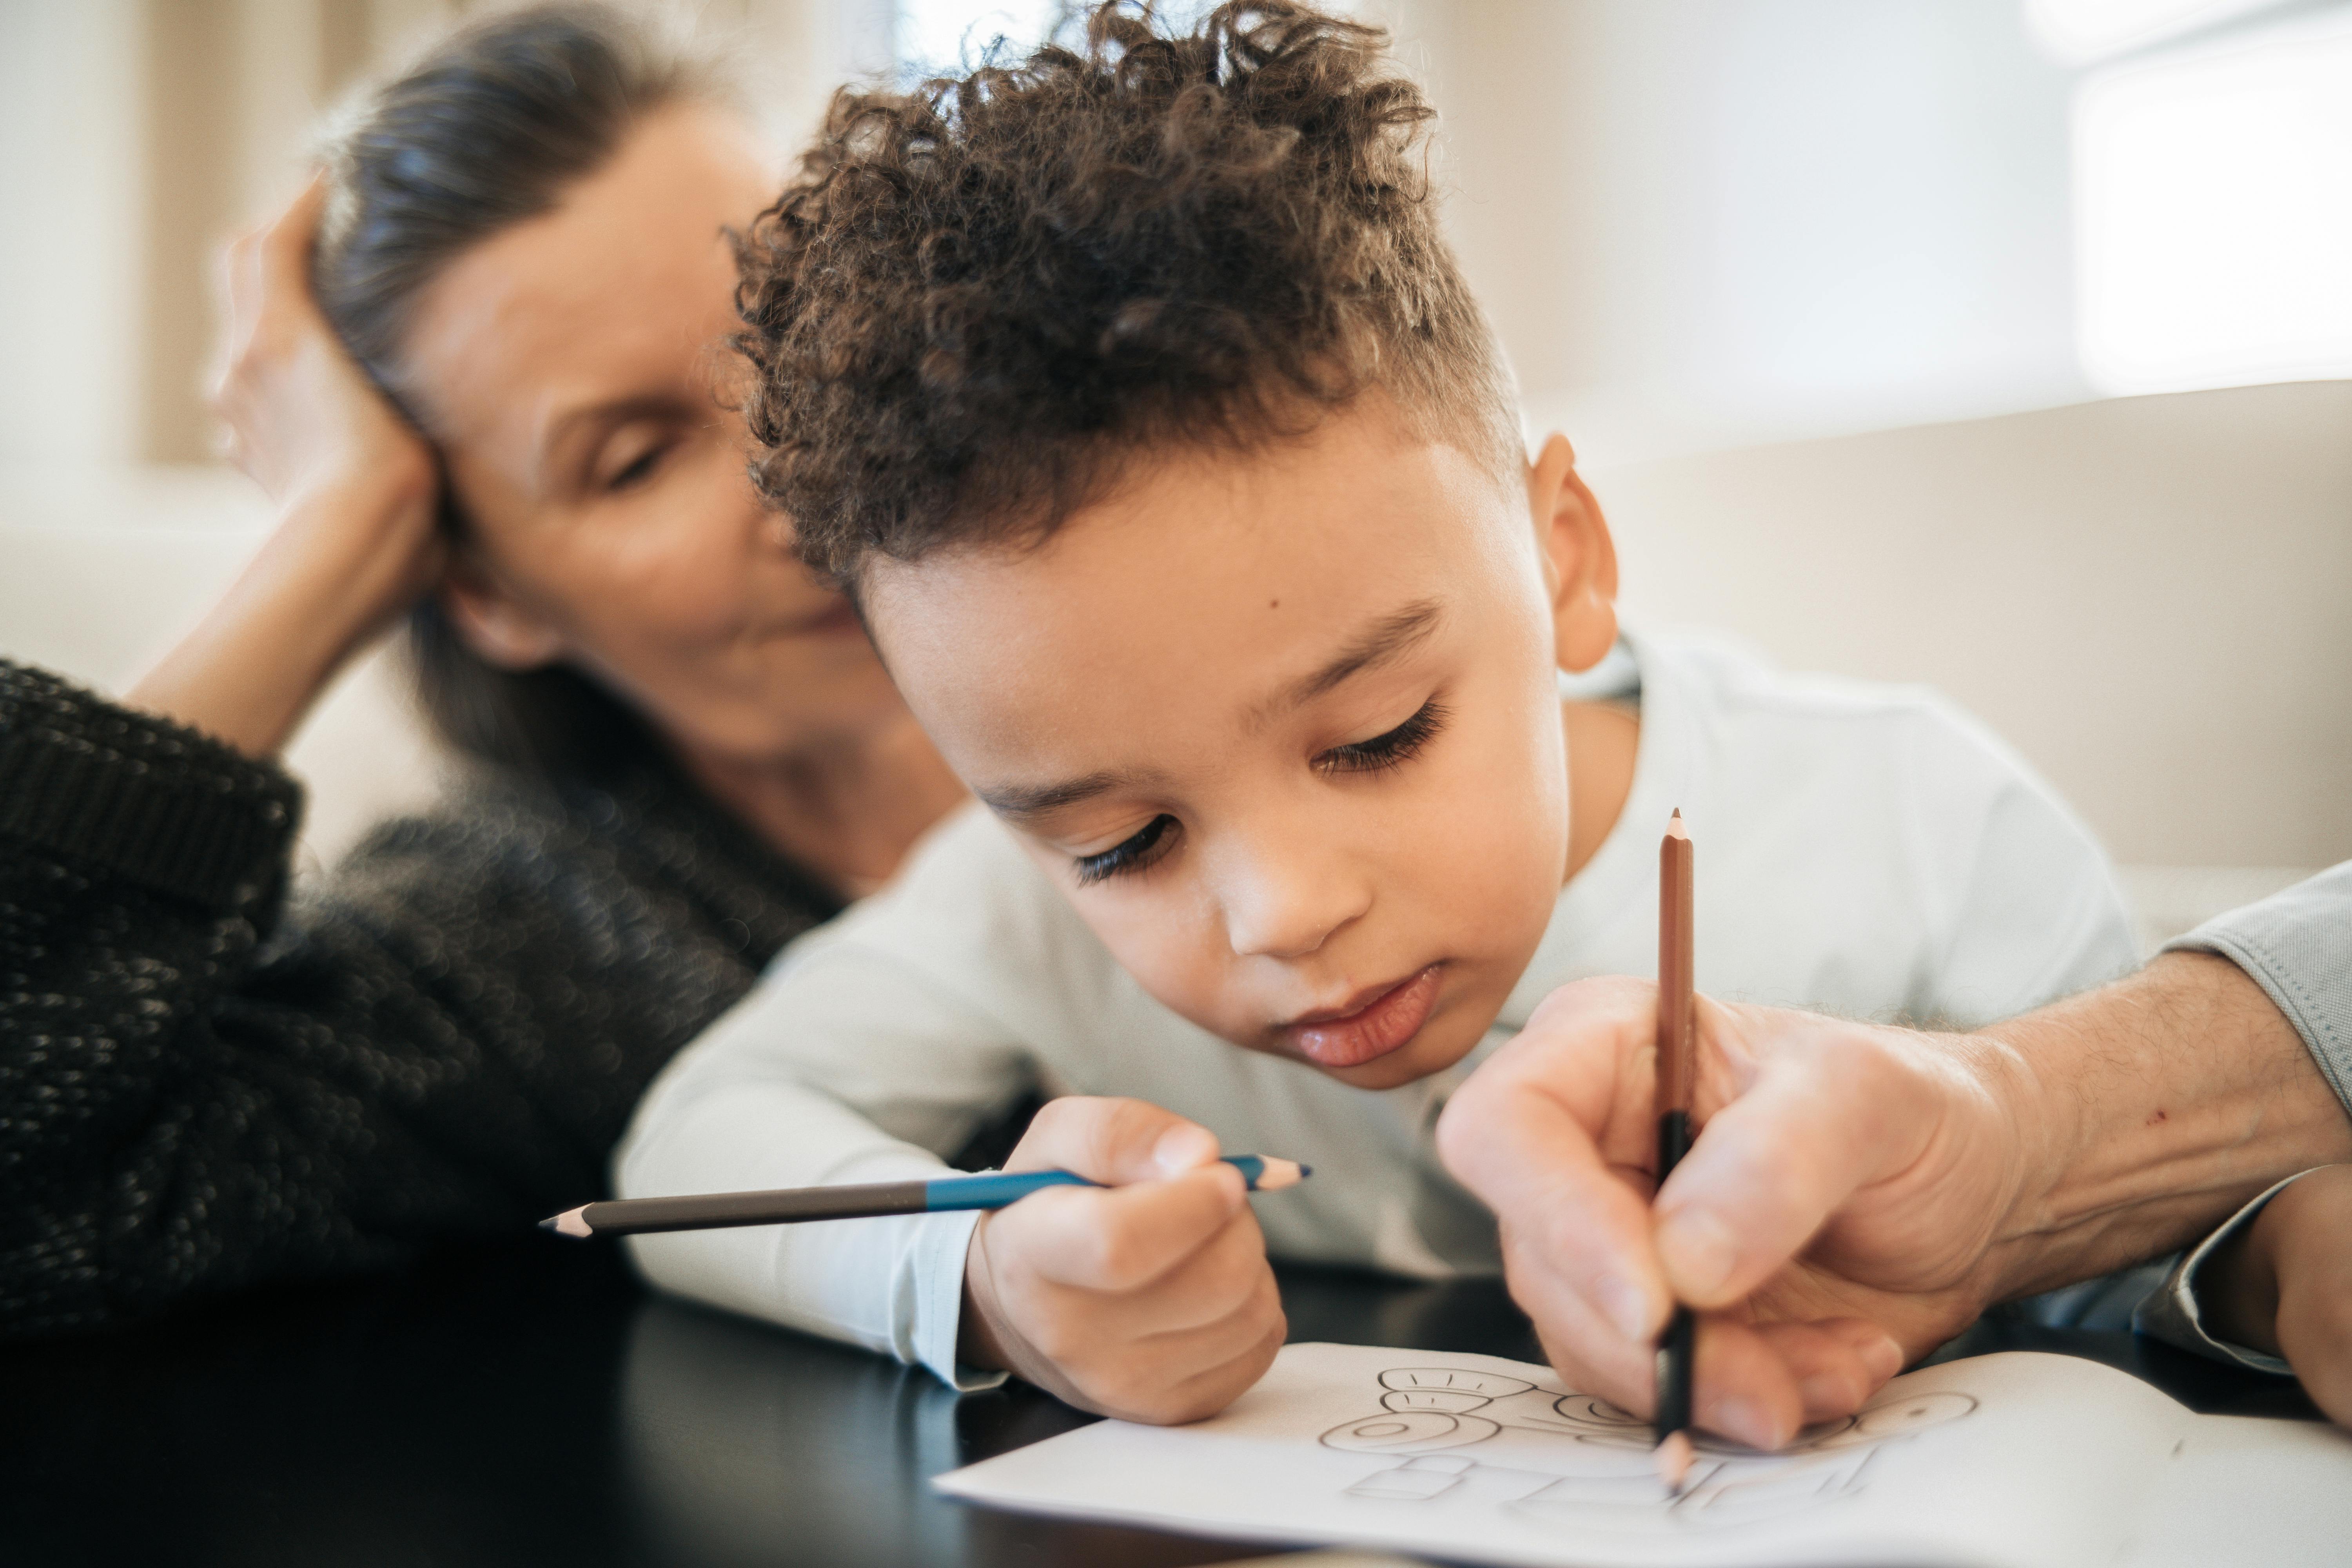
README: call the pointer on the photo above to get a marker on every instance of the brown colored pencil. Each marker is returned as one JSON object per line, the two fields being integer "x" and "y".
{"x": 1677, "y": 1066}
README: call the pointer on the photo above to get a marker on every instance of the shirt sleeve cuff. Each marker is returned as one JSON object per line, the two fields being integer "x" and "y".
{"x": 2173, "y": 1315}
{"x": 938, "y": 1319}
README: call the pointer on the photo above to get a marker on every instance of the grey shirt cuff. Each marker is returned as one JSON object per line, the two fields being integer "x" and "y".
{"x": 2171, "y": 1313}
{"x": 2298, "y": 946}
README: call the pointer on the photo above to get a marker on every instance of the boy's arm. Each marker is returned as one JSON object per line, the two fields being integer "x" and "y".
{"x": 1150, "y": 1300}
{"x": 870, "y": 1051}
{"x": 840, "y": 1068}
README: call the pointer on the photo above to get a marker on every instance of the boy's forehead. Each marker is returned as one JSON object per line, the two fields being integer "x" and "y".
{"x": 1193, "y": 599}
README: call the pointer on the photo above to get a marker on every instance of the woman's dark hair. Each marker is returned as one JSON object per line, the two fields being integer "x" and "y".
{"x": 489, "y": 129}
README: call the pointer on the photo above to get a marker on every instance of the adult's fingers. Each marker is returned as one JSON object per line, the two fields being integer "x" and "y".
{"x": 1112, "y": 1140}
{"x": 1544, "y": 1132}
{"x": 288, "y": 239}
{"x": 1819, "y": 1122}
{"x": 1588, "y": 1351}
{"x": 1835, "y": 1365}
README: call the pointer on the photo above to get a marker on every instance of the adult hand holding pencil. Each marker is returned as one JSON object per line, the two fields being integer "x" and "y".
{"x": 1630, "y": 1141}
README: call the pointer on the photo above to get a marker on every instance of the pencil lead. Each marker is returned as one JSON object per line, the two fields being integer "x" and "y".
{"x": 1674, "y": 1458}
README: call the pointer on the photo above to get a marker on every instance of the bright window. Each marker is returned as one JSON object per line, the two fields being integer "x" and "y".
{"x": 936, "y": 35}
{"x": 2082, "y": 30}
{"x": 2213, "y": 206}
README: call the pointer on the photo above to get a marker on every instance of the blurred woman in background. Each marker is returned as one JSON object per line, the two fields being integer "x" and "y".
{"x": 479, "y": 366}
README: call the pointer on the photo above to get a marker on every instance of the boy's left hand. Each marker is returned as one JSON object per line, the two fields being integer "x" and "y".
{"x": 2284, "y": 1285}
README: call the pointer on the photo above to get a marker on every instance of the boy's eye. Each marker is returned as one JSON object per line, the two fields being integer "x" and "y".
{"x": 1133, "y": 853}
{"x": 1382, "y": 753}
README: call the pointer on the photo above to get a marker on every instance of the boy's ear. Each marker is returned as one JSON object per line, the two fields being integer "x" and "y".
{"x": 487, "y": 617}
{"x": 1579, "y": 557}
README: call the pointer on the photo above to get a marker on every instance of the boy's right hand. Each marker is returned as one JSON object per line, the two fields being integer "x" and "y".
{"x": 2284, "y": 1285}
{"x": 1149, "y": 1299}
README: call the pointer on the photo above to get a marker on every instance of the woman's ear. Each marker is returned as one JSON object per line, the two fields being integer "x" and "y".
{"x": 488, "y": 619}
{"x": 1579, "y": 557}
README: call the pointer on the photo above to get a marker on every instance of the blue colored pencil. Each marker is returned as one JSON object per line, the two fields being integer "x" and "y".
{"x": 790, "y": 1205}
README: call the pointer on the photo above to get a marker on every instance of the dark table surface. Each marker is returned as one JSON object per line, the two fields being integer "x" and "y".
{"x": 536, "y": 1405}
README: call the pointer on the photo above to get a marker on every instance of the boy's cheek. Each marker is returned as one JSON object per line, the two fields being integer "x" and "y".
{"x": 1182, "y": 972}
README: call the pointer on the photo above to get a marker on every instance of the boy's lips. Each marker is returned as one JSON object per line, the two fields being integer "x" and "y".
{"x": 1371, "y": 1025}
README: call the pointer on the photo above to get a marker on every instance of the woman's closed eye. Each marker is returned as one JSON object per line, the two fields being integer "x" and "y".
{"x": 1392, "y": 749}
{"x": 1130, "y": 854}
{"x": 629, "y": 458}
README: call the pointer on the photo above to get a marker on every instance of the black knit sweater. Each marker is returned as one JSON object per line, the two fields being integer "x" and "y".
{"x": 205, "y": 1085}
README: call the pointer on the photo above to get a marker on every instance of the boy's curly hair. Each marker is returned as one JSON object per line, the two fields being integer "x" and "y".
{"x": 978, "y": 300}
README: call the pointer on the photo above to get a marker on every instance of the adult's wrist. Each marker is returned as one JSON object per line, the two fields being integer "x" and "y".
{"x": 340, "y": 565}
{"x": 2152, "y": 1109}
{"x": 2023, "y": 1132}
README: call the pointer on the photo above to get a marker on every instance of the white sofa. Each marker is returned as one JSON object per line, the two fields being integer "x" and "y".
{"x": 2151, "y": 597}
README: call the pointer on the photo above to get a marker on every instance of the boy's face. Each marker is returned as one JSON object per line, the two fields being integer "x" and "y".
{"x": 1284, "y": 729}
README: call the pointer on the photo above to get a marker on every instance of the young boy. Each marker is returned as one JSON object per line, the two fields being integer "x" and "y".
{"x": 1140, "y": 403}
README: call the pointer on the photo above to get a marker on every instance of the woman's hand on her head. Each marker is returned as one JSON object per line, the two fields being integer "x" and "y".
{"x": 1151, "y": 1298}
{"x": 299, "y": 414}
{"x": 357, "y": 540}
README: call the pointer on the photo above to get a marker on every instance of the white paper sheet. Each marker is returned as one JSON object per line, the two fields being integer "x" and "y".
{"x": 2014, "y": 1460}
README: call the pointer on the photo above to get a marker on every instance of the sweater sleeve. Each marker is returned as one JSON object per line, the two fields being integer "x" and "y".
{"x": 140, "y": 864}
{"x": 205, "y": 1087}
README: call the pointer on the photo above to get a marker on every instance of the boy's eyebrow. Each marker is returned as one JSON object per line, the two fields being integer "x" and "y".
{"x": 1385, "y": 640}
{"x": 1019, "y": 800}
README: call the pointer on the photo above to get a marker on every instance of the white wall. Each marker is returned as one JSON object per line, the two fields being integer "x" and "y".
{"x": 1706, "y": 222}
{"x": 70, "y": 231}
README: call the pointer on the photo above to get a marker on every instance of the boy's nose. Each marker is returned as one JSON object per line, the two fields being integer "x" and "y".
{"x": 1288, "y": 906}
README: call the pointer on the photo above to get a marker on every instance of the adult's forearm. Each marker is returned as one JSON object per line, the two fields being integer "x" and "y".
{"x": 321, "y": 587}
{"x": 2160, "y": 1105}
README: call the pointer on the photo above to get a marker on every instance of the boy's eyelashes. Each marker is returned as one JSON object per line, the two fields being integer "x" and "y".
{"x": 1133, "y": 853}
{"x": 1148, "y": 843}
{"x": 1390, "y": 748}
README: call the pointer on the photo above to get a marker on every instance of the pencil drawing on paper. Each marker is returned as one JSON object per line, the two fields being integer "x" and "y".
{"x": 1482, "y": 1437}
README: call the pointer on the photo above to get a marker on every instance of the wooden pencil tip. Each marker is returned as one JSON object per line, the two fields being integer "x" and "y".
{"x": 1674, "y": 1458}
{"x": 570, "y": 1222}
{"x": 1274, "y": 1174}
{"x": 1674, "y": 828}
